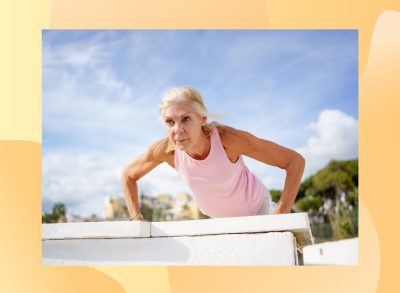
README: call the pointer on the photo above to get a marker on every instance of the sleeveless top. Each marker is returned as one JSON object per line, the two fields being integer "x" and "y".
{"x": 221, "y": 188}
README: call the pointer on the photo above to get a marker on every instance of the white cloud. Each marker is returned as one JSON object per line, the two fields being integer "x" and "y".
{"x": 82, "y": 179}
{"x": 76, "y": 54}
{"x": 336, "y": 138}
{"x": 103, "y": 112}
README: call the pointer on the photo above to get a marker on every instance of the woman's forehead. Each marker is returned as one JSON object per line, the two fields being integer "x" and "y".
{"x": 178, "y": 109}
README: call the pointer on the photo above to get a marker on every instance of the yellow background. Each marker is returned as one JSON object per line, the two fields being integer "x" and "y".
{"x": 21, "y": 22}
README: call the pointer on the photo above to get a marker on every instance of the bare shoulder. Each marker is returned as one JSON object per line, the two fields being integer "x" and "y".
{"x": 159, "y": 151}
{"x": 231, "y": 136}
{"x": 234, "y": 141}
{"x": 238, "y": 142}
{"x": 155, "y": 155}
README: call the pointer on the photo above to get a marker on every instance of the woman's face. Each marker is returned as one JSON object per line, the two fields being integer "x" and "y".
{"x": 183, "y": 125}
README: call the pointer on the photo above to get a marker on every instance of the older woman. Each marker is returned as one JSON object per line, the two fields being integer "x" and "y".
{"x": 209, "y": 159}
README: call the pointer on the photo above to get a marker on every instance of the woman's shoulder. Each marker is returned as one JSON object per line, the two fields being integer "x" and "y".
{"x": 160, "y": 150}
{"x": 230, "y": 137}
{"x": 231, "y": 140}
{"x": 227, "y": 133}
{"x": 234, "y": 138}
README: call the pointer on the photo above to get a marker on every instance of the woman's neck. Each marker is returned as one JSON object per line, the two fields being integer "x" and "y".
{"x": 202, "y": 149}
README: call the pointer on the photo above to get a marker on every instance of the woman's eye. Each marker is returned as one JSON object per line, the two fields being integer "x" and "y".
{"x": 169, "y": 122}
{"x": 185, "y": 119}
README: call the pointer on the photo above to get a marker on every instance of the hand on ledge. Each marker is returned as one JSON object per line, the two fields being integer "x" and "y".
{"x": 138, "y": 217}
{"x": 281, "y": 210}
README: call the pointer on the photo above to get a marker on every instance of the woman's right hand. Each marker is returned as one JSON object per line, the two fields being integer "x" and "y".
{"x": 138, "y": 217}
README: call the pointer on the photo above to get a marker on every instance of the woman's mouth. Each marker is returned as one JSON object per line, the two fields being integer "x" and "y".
{"x": 180, "y": 140}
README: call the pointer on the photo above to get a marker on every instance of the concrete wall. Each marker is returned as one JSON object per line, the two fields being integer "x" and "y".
{"x": 256, "y": 240}
{"x": 343, "y": 252}
{"x": 275, "y": 248}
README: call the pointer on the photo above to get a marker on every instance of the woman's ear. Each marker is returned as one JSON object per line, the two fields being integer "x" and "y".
{"x": 204, "y": 121}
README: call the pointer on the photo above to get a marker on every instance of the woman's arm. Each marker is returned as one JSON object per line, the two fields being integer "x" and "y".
{"x": 294, "y": 172}
{"x": 136, "y": 170}
{"x": 241, "y": 142}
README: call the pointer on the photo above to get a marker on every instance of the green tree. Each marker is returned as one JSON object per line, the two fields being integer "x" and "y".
{"x": 342, "y": 223}
{"x": 309, "y": 204}
{"x": 147, "y": 212}
{"x": 306, "y": 188}
{"x": 57, "y": 215}
{"x": 59, "y": 209}
{"x": 331, "y": 197}
{"x": 275, "y": 194}
{"x": 333, "y": 181}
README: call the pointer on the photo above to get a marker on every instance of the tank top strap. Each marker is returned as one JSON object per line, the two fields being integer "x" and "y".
{"x": 216, "y": 142}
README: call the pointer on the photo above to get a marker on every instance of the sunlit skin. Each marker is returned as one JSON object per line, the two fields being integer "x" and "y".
{"x": 184, "y": 129}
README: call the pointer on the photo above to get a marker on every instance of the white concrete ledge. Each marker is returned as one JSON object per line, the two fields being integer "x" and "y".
{"x": 297, "y": 223}
{"x": 274, "y": 248}
{"x": 255, "y": 240}
{"x": 123, "y": 229}
{"x": 342, "y": 252}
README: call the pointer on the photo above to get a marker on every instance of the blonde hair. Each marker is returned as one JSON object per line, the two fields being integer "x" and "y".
{"x": 187, "y": 93}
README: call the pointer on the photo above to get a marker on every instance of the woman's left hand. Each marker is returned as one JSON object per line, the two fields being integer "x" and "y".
{"x": 278, "y": 212}
{"x": 281, "y": 210}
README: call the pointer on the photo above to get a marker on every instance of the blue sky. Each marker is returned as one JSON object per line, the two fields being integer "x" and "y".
{"x": 101, "y": 90}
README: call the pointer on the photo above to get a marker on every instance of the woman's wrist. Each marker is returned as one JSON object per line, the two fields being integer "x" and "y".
{"x": 137, "y": 216}
{"x": 282, "y": 208}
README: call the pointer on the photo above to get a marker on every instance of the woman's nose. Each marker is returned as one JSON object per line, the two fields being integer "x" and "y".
{"x": 178, "y": 128}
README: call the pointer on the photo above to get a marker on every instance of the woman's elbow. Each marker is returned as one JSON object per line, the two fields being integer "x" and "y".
{"x": 300, "y": 161}
{"x": 127, "y": 175}
{"x": 297, "y": 162}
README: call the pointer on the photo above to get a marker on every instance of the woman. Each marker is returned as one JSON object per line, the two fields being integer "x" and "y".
{"x": 209, "y": 159}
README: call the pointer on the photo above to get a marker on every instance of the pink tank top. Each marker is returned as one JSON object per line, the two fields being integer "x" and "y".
{"x": 221, "y": 188}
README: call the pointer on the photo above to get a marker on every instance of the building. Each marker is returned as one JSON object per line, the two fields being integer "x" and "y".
{"x": 164, "y": 207}
{"x": 116, "y": 209}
